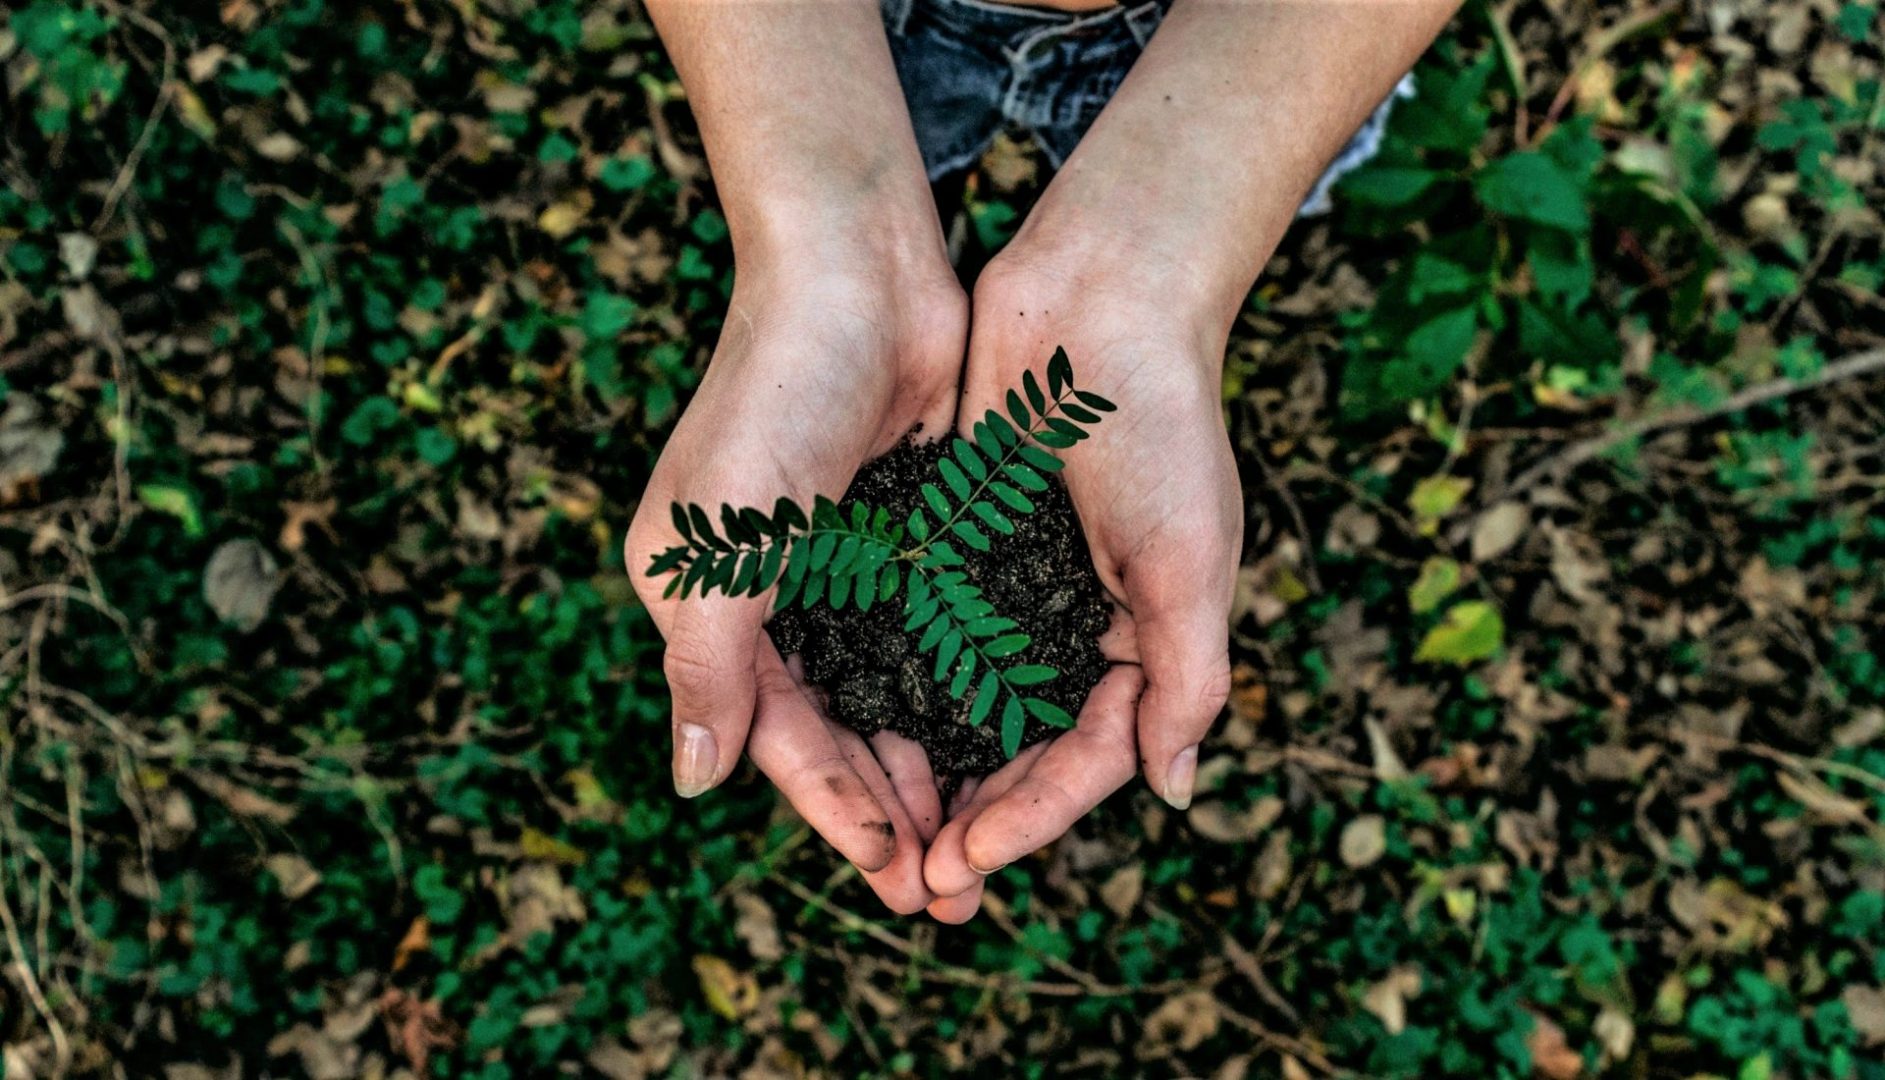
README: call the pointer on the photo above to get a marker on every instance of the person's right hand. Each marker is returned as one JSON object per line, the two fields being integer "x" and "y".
{"x": 828, "y": 358}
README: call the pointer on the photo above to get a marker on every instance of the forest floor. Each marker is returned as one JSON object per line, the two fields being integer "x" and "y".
{"x": 336, "y": 342}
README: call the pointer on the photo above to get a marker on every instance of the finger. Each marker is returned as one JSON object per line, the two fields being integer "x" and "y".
{"x": 958, "y": 909}
{"x": 946, "y": 869}
{"x": 1120, "y": 643}
{"x": 1184, "y": 647}
{"x": 899, "y": 884}
{"x": 711, "y": 649}
{"x": 796, "y": 749}
{"x": 906, "y": 764}
{"x": 1078, "y": 771}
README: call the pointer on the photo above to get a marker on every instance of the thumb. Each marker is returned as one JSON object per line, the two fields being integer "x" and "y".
{"x": 1184, "y": 648}
{"x": 712, "y": 646}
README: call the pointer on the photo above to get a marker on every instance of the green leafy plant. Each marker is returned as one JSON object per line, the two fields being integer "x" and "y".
{"x": 857, "y": 555}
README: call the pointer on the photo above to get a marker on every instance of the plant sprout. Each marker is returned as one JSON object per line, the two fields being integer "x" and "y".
{"x": 857, "y": 555}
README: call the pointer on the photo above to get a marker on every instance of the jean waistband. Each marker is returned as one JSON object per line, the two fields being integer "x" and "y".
{"x": 990, "y": 18}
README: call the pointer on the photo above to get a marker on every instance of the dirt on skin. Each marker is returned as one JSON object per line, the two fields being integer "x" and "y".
{"x": 869, "y": 667}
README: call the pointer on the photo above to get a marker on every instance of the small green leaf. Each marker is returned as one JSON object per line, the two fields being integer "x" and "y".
{"x": 680, "y": 521}
{"x": 748, "y": 570}
{"x": 1025, "y": 476}
{"x": 969, "y": 459}
{"x": 934, "y": 497}
{"x": 932, "y": 635}
{"x": 1059, "y": 372}
{"x": 787, "y": 516}
{"x": 1012, "y": 723}
{"x": 1031, "y": 674}
{"x": 840, "y": 591}
{"x": 799, "y": 560}
{"x": 970, "y": 535}
{"x": 1004, "y": 431}
{"x": 993, "y": 518}
{"x": 1047, "y": 712}
{"x": 1054, "y": 439}
{"x": 703, "y": 528}
{"x": 919, "y": 526}
{"x": 667, "y": 560}
{"x": 888, "y": 582}
{"x": 1439, "y": 577}
{"x": 986, "y": 442}
{"x": 1094, "y": 401}
{"x": 1035, "y": 397}
{"x": 1017, "y": 411}
{"x": 1011, "y": 498}
{"x": 1040, "y": 458}
{"x": 952, "y": 476}
{"x": 985, "y": 695}
{"x": 1006, "y": 645}
{"x": 1472, "y": 631}
{"x": 1075, "y": 412}
{"x": 964, "y": 672}
{"x": 736, "y": 528}
{"x": 946, "y": 652}
{"x": 921, "y": 614}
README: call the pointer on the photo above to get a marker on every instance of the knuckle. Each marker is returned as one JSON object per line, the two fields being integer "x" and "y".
{"x": 692, "y": 670}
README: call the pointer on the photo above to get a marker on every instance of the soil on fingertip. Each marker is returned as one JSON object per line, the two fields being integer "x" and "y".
{"x": 870, "y": 669}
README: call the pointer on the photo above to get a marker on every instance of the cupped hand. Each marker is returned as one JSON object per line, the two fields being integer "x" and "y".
{"x": 822, "y": 365}
{"x": 1156, "y": 490}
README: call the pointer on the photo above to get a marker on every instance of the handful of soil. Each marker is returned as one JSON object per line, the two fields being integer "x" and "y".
{"x": 873, "y": 675}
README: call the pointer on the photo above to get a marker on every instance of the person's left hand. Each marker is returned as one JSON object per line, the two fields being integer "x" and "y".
{"x": 1156, "y": 490}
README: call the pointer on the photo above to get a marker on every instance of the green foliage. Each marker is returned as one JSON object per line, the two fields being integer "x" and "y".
{"x": 859, "y": 556}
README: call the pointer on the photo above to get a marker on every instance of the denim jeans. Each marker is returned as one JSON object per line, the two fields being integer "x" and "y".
{"x": 971, "y": 68}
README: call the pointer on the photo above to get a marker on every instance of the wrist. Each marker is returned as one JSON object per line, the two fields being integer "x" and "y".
{"x": 1175, "y": 267}
{"x": 1119, "y": 282}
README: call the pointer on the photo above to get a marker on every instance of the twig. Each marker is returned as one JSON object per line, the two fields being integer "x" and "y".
{"x": 928, "y": 966}
{"x": 1578, "y": 453}
{"x": 1606, "y": 40}
{"x": 1793, "y": 761}
{"x": 166, "y": 88}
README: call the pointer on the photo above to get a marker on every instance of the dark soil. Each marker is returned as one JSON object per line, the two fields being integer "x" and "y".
{"x": 872, "y": 674}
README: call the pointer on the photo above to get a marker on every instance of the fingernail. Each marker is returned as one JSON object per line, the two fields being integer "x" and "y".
{"x": 983, "y": 872}
{"x": 1180, "y": 777}
{"x": 696, "y": 757}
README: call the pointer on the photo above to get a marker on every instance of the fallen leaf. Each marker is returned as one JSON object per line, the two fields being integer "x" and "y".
{"x": 1865, "y": 1006}
{"x": 1472, "y": 631}
{"x": 1121, "y": 892}
{"x": 1364, "y": 840}
{"x": 297, "y": 876}
{"x": 730, "y": 992}
{"x": 240, "y": 583}
{"x": 758, "y": 928}
{"x": 1552, "y": 1056}
{"x": 1439, "y": 577}
{"x": 1387, "y": 999}
{"x": 1496, "y": 531}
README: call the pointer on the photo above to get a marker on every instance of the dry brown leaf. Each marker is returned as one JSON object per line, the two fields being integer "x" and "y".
{"x": 1364, "y": 840}
{"x": 1387, "y": 999}
{"x": 758, "y": 928}
{"x": 240, "y": 583}
{"x": 1552, "y": 1056}
{"x": 297, "y": 876}
{"x": 729, "y": 991}
{"x": 1865, "y": 1005}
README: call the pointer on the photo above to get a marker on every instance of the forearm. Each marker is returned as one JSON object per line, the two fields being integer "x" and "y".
{"x": 1197, "y": 166}
{"x": 804, "y": 122}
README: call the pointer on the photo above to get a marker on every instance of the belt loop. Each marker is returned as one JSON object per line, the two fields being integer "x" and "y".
{"x": 1145, "y": 19}
{"x": 897, "y": 15}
